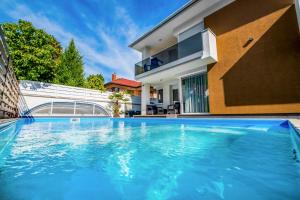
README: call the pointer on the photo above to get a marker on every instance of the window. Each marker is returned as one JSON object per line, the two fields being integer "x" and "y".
{"x": 116, "y": 89}
{"x": 175, "y": 95}
{"x": 195, "y": 99}
{"x": 160, "y": 96}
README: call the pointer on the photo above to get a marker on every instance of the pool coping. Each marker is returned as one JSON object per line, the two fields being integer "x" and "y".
{"x": 295, "y": 136}
{"x": 6, "y": 122}
{"x": 296, "y": 123}
{"x": 295, "y": 120}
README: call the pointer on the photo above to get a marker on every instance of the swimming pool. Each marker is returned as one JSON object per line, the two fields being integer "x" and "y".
{"x": 90, "y": 158}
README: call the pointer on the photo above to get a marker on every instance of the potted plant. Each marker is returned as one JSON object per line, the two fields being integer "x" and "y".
{"x": 117, "y": 98}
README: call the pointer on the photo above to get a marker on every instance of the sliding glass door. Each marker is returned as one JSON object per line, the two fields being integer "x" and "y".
{"x": 194, "y": 95}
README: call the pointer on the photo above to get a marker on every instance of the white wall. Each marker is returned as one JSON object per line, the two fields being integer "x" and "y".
{"x": 209, "y": 45}
{"x": 37, "y": 93}
{"x": 191, "y": 31}
{"x": 166, "y": 96}
{"x": 146, "y": 53}
{"x": 145, "y": 98}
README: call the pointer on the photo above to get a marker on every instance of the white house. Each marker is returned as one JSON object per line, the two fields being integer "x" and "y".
{"x": 175, "y": 54}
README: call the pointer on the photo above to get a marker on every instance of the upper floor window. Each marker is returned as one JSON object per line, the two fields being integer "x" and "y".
{"x": 115, "y": 89}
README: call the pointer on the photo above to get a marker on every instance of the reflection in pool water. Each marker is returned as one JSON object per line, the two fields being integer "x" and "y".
{"x": 150, "y": 159}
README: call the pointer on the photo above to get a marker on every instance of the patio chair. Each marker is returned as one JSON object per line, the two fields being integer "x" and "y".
{"x": 131, "y": 113}
{"x": 160, "y": 110}
{"x": 154, "y": 63}
{"x": 151, "y": 110}
{"x": 174, "y": 108}
{"x": 137, "y": 112}
{"x": 147, "y": 67}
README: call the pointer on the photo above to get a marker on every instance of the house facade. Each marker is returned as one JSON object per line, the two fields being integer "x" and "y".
{"x": 224, "y": 57}
{"x": 118, "y": 84}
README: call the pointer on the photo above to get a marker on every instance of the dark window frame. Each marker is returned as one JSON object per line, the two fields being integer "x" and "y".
{"x": 160, "y": 96}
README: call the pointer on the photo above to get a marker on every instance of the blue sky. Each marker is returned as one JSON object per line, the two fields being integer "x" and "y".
{"x": 102, "y": 29}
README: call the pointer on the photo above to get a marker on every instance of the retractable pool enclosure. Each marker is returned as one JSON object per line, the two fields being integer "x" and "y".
{"x": 68, "y": 109}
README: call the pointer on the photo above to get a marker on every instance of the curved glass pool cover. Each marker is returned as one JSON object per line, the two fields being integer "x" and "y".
{"x": 103, "y": 158}
{"x": 68, "y": 109}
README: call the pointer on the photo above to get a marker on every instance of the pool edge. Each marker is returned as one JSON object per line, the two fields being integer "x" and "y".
{"x": 295, "y": 136}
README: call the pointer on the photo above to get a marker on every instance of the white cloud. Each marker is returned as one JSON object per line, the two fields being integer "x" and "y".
{"x": 116, "y": 56}
{"x": 129, "y": 28}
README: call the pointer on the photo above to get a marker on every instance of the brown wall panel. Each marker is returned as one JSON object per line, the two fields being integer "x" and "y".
{"x": 261, "y": 76}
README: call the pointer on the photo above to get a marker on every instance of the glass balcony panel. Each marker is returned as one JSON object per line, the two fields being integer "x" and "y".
{"x": 190, "y": 46}
{"x": 180, "y": 50}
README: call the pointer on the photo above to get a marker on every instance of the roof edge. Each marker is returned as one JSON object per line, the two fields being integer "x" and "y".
{"x": 121, "y": 84}
{"x": 165, "y": 21}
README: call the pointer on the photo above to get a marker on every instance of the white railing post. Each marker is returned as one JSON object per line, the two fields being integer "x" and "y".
{"x": 74, "y": 113}
{"x": 93, "y": 109}
{"x": 51, "y": 109}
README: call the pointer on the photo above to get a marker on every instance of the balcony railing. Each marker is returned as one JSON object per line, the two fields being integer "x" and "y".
{"x": 180, "y": 50}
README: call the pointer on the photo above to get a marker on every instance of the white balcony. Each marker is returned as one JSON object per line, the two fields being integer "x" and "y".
{"x": 187, "y": 55}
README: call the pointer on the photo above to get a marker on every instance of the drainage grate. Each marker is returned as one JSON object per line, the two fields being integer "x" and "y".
{"x": 75, "y": 120}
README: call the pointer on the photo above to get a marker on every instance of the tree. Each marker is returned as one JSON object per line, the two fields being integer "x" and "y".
{"x": 35, "y": 54}
{"x": 116, "y": 98}
{"x": 70, "y": 70}
{"x": 95, "y": 81}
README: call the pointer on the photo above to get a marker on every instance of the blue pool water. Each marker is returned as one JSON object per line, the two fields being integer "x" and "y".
{"x": 148, "y": 159}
